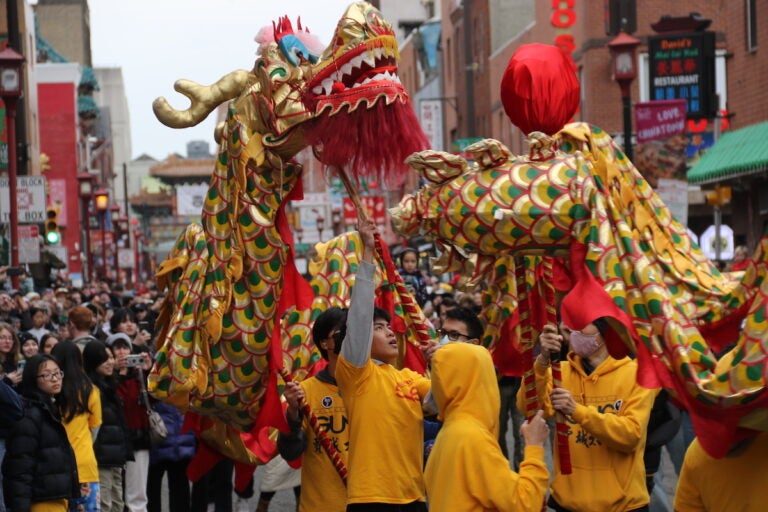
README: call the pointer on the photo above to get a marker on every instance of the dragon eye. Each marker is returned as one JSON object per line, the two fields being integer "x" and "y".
{"x": 293, "y": 50}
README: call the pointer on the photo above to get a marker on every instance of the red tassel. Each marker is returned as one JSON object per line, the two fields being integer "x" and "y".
{"x": 353, "y": 140}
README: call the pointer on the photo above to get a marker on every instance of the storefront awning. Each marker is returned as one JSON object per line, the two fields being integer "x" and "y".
{"x": 736, "y": 154}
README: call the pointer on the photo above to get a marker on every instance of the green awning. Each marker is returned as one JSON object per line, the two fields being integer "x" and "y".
{"x": 738, "y": 153}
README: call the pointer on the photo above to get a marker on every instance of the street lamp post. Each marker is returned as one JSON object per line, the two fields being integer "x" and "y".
{"x": 336, "y": 221}
{"x": 114, "y": 211}
{"x": 622, "y": 49}
{"x": 85, "y": 192}
{"x": 101, "y": 200}
{"x": 320, "y": 224}
{"x": 137, "y": 237}
{"x": 123, "y": 229}
{"x": 11, "y": 63}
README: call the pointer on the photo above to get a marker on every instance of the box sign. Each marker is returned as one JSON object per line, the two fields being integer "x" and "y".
{"x": 30, "y": 199}
{"x": 682, "y": 66}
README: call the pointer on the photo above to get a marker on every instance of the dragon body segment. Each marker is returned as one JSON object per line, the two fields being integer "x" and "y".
{"x": 237, "y": 312}
{"x": 577, "y": 197}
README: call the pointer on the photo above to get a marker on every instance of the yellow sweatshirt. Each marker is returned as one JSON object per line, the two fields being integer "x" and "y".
{"x": 466, "y": 470}
{"x": 737, "y": 482}
{"x": 606, "y": 438}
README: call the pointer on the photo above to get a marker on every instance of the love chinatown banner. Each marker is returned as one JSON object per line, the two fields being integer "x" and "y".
{"x": 661, "y": 140}
{"x": 659, "y": 119}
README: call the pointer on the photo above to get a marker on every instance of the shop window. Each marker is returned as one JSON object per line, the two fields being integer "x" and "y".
{"x": 751, "y": 15}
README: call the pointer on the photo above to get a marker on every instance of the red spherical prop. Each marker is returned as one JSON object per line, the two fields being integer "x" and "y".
{"x": 539, "y": 89}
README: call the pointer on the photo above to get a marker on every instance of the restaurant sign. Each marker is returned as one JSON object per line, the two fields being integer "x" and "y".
{"x": 682, "y": 66}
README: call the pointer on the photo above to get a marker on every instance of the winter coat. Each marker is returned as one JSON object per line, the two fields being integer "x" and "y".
{"x": 11, "y": 408}
{"x": 177, "y": 446}
{"x": 39, "y": 463}
{"x": 134, "y": 410}
{"x": 112, "y": 446}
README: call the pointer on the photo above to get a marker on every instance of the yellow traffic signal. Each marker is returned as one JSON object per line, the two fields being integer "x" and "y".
{"x": 719, "y": 196}
{"x": 52, "y": 233}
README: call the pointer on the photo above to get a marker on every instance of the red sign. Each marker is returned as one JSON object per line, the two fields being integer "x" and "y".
{"x": 97, "y": 236}
{"x": 659, "y": 119}
{"x": 375, "y": 206}
{"x": 563, "y": 18}
{"x": 28, "y": 231}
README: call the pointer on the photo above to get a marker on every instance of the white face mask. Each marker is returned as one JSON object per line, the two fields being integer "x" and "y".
{"x": 584, "y": 344}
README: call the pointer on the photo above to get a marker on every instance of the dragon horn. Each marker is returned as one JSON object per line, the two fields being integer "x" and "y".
{"x": 204, "y": 99}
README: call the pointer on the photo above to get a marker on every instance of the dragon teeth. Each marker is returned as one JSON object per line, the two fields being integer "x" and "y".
{"x": 327, "y": 85}
{"x": 347, "y": 68}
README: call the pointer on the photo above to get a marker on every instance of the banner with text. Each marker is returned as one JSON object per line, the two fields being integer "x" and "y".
{"x": 30, "y": 198}
{"x": 190, "y": 198}
{"x": 659, "y": 119}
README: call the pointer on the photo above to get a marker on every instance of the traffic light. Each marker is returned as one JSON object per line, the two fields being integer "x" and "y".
{"x": 52, "y": 233}
{"x": 719, "y": 196}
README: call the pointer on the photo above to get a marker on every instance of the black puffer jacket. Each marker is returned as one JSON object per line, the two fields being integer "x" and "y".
{"x": 39, "y": 463}
{"x": 113, "y": 446}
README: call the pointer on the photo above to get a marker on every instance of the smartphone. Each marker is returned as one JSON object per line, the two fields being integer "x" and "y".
{"x": 143, "y": 325}
{"x": 134, "y": 360}
{"x": 20, "y": 366}
{"x": 14, "y": 271}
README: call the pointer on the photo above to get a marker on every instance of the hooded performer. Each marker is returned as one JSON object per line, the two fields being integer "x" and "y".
{"x": 466, "y": 469}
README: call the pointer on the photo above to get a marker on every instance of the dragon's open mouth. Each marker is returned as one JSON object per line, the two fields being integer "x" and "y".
{"x": 364, "y": 74}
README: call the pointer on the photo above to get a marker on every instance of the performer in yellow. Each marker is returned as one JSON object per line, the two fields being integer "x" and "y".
{"x": 322, "y": 489}
{"x": 737, "y": 482}
{"x": 467, "y": 470}
{"x": 607, "y": 415}
{"x": 384, "y": 404}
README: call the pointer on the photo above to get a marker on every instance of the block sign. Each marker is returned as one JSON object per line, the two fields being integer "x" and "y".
{"x": 30, "y": 198}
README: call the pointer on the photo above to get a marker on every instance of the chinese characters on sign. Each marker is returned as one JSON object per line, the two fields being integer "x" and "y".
{"x": 431, "y": 118}
{"x": 374, "y": 204}
{"x": 683, "y": 67}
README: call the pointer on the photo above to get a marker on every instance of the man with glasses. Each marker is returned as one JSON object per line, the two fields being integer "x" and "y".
{"x": 384, "y": 404}
{"x": 460, "y": 324}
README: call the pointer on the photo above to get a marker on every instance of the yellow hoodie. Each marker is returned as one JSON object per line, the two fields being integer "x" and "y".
{"x": 606, "y": 438}
{"x": 466, "y": 470}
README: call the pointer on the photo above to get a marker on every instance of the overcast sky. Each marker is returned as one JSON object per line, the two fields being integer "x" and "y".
{"x": 157, "y": 42}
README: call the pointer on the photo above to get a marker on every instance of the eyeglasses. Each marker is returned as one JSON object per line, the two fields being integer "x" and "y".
{"x": 5, "y": 337}
{"x": 452, "y": 335}
{"x": 51, "y": 376}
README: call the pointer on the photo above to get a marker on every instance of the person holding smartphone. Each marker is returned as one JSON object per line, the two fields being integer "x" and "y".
{"x": 135, "y": 412}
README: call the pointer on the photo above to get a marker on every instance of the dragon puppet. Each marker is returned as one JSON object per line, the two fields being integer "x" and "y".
{"x": 237, "y": 312}
{"x": 576, "y": 202}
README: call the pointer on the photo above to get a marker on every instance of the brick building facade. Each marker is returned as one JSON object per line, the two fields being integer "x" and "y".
{"x": 470, "y": 86}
